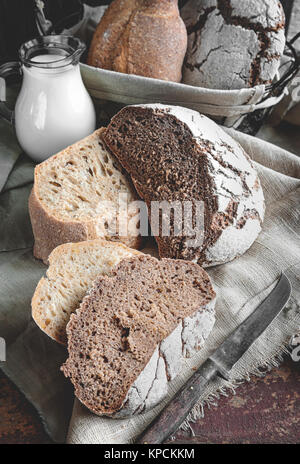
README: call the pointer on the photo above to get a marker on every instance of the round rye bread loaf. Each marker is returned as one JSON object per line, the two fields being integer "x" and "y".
{"x": 233, "y": 44}
{"x": 132, "y": 330}
{"x": 174, "y": 154}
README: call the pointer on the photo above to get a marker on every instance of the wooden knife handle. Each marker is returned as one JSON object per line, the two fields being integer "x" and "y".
{"x": 175, "y": 412}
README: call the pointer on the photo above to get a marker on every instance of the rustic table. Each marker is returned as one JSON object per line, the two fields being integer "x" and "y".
{"x": 266, "y": 410}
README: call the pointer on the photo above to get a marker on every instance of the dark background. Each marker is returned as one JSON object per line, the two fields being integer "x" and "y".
{"x": 17, "y": 20}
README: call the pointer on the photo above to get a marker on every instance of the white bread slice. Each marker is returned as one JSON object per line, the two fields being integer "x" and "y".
{"x": 75, "y": 197}
{"x": 72, "y": 271}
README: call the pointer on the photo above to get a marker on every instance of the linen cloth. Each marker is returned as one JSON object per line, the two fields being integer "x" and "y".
{"x": 33, "y": 360}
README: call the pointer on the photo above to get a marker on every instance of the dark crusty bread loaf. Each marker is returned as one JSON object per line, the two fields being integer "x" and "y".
{"x": 75, "y": 197}
{"x": 131, "y": 331}
{"x": 176, "y": 154}
{"x": 143, "y": 37}
{"x": 233, "y": 44}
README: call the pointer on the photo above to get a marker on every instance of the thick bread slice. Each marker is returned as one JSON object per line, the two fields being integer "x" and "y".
{"x": 72, "y": 270}
{"x": 76, "y": 197}
{"x": 127, "y": 339}
{"x": 175, "y": 154}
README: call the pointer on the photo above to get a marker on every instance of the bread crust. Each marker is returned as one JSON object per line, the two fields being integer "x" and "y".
{"x": 56, "y": 231}
{"x": 50, "y": 231}
{"x": 146, "y": 38}
{"x": 246, "y": 37}
{"x": 151, "y": 386}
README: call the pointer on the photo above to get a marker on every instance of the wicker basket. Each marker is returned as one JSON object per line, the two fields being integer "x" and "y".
{"x": 243, "y": 109}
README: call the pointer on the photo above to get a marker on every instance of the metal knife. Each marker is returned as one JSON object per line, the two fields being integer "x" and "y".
{"x": 219, "y": 364}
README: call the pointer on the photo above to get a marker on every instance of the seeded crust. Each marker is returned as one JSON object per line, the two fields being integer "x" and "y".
{"x": 143, "y": 37}
{"x": 72, "y": 269}
{"x": 65, "y": 204}
{"x": 233, "y": 44}
{"x": 176, "y": 154}
{"x": 120, "y": 339}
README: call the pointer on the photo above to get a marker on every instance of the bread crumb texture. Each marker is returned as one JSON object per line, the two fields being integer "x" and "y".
{"x": 72, "y": 270}
{"x": 71, "y": 183}
{"x": 76, "y": 197}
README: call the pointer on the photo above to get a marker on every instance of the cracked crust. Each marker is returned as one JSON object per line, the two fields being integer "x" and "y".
{"x": 173, "y": 153}
{"x": 233, "y": 44}
{"x": 142, "y": 37}
{"x": 152, "y": 384}
{"x": 131, "y": 332}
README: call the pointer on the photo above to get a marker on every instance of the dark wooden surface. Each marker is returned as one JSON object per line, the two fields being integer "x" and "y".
{"x": 266, "y": 410}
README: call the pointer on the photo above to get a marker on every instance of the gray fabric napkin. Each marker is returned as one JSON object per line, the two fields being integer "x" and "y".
{"x": 33, "y": 359}
{"x": 9, "y": 151}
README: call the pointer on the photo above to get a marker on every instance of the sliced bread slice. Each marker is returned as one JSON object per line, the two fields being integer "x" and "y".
{"x": 127, "y": 339}
{"x": 73, "y": 268}
{"x": 76, "y": 197}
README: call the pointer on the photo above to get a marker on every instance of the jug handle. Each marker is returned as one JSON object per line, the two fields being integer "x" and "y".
{"x": 7, "y": 69}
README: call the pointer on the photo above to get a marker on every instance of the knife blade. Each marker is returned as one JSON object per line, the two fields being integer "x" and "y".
{"x": 219, "y": 363}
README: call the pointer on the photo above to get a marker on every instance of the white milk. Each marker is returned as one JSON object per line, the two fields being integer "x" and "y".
{"x": 53, "y": 109}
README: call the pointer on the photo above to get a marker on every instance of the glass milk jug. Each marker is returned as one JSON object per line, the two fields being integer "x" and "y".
{"x": 53, "y": 109}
